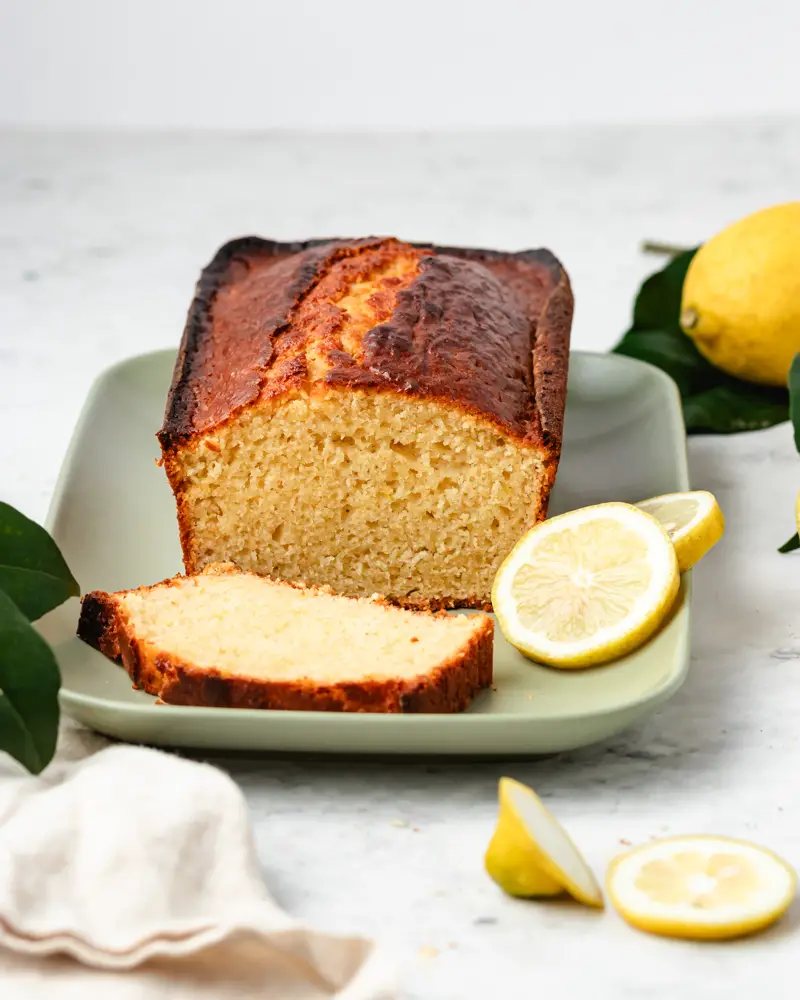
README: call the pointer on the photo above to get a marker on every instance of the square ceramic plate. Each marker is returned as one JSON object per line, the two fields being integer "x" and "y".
{"x": 114, "y": 518}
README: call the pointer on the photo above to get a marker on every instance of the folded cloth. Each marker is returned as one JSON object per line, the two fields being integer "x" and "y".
{"x": 133, "y": 875}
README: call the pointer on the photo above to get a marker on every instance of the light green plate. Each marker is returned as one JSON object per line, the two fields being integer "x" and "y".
{"x": 113, "y": 516}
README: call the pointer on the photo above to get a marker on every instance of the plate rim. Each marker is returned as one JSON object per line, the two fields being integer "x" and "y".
{"x": 71, "y": 699}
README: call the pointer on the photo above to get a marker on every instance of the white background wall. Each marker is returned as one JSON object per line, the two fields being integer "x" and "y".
{"x": 406, "y": 64}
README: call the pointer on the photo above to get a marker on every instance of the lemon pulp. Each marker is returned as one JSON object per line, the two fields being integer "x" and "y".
{"x": 530, "y": 853}
{"x": 701, "y": 887}
{"x": 587, "y": 586}
{"x": 693, "y": 521}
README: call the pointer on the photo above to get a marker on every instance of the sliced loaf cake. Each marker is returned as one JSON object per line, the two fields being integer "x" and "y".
{"x": 367, "y": 414}
{"x": 232, "y": 639}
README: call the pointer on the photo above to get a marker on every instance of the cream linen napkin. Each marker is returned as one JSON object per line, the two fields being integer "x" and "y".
{"x": 133, "y": 875}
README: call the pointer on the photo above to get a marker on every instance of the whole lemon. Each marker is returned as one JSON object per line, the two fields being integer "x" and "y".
{"x": 741, "y": 296}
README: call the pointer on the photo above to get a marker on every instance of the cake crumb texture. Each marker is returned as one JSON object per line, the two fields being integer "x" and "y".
{"x": 369, "y": 415}
{"x": 232, "y": 639}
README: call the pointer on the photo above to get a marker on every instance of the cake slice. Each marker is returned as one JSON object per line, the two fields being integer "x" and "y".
{"x": 231, "y": 639}
{"x": 369, "y": 415}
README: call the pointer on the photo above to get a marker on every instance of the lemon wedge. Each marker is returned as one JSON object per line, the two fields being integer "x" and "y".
{"x": 701, "y": 887}
{"x": 692, "y": 520}
{"x": 587, "y": 586}
{"x": 530, "y": 853}
{"x": 797, "y": 512}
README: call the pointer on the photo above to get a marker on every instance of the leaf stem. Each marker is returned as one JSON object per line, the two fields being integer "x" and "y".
{"x": 664, "y": 249}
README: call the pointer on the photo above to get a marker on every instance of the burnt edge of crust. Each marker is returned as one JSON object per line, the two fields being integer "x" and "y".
{"x": 177, "y": 426}
{"x": 450, "y": 688}
{"x": 550, "y": 350}
{"x": 97, "y": 624}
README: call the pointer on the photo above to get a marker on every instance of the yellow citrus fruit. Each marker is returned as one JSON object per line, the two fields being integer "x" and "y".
{"x": 701, "y": 887}
{"x": 587, "y": 586}
{"x": 530, "y": 853}
{"x": 741, "y": 296}
{"x": 692, "y": 520}
{"x": 797, "y": 512}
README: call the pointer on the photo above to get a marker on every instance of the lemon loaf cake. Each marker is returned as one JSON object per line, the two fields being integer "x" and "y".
{"x": 370, "y": 415}
{"x": 230, "y": 639}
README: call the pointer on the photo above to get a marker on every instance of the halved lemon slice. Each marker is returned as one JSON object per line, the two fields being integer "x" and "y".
{"x": 531, "y": 854}
{"x": 586, "y": 587}
{"x": 701, "y": 887}
{"x": 692, "y": 520}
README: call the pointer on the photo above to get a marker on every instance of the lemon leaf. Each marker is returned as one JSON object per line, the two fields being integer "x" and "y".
{"x": 32, "y": 570}
{"x": 672, "y": 352}
{"x": 733, "y": 406}
{"x": 34, "y": 579}
{"x": 794, "y": 413}
{"x": 713, "y": 402}
{"x": 794, "y": 398}
{"x": 29, "y": 683}
{"x": 658, "y": 303}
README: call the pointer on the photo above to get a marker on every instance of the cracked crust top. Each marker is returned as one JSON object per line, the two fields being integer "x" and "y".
{"x": 484, "y": 331}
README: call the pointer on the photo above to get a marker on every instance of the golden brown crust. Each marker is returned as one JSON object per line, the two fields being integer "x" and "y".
{"x": 182, "y": 509}
{"x": 449, "y": 688}
{"x": 485, "y": 331}
{"x": 435, "y": 604}
{"x": 97, "y": 624}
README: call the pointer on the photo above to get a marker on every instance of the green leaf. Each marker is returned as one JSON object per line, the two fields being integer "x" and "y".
{"x": 673, "y": 352}
{"x": 29, "y": 684}
{"x": 794, "y": 413}
{"x": 713, "y": 402}
{"x": 658, "y": 303}
{"x": 734, "y": 406}
{"x": 32, "y": 570}
{"x": 794, "y": 398}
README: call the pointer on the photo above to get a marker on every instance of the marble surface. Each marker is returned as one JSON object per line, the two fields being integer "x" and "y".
{"x": 101, "y": 240}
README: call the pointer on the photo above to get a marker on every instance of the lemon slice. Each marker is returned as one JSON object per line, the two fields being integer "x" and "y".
{"x": 701, "y": 887}
{"x": 586, "y": 587}
{"x": 531, "y": 854}
{"x": 693, "y": 522}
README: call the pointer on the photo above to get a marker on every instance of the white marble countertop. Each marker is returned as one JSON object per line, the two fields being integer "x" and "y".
{"x": 100, "y": 244}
